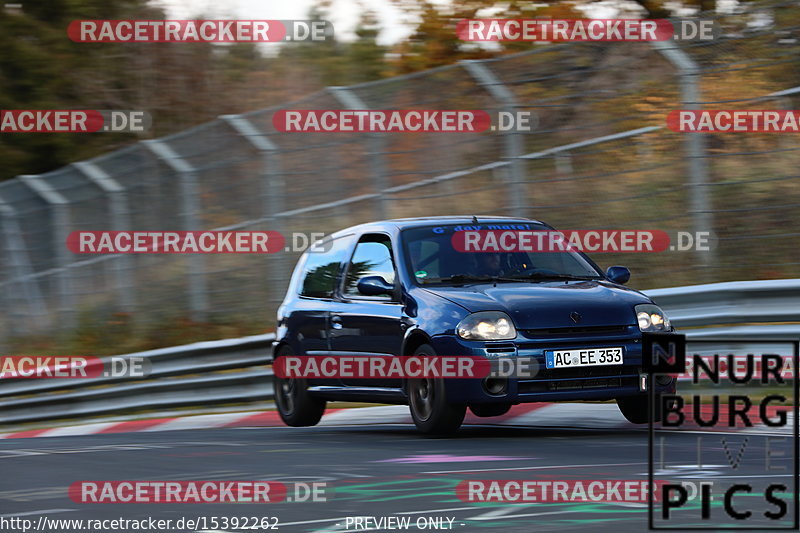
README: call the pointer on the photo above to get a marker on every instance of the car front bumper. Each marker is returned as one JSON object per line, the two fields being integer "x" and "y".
{"x": 553, "y": 385}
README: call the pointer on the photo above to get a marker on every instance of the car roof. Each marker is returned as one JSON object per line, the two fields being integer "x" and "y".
{"x": 403, "y": 223}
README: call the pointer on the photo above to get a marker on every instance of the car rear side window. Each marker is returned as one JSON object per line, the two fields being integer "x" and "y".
{"x": 321, "y": 269}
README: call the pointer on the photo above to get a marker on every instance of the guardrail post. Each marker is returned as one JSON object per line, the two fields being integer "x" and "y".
{"x": 694, "y": 145}
{"x": 513, "y": 139}
{"x": 377, "y": 150}
{"x": 121, "y": 265}
{"x": 22, "y": 271}
{"x": 564, "y": 164}
{"x": 60, "y": 230}
{"x": 273, "y": 190}
{"x": 190, "y": 204}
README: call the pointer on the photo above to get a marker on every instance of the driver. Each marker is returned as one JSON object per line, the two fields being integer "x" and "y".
{"x": 489, "y": 264}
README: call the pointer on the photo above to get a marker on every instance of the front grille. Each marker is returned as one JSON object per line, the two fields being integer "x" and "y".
{"x": 501, "y": 347}
{"x": 596, "y": 377}
{"x": 527, "y": 387}
{"x": 585, "y": 372}
{"x": 578, "y": 330}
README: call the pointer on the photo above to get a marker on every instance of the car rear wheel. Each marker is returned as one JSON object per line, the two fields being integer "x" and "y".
{"x": 295, "y": 405}
{"x": 490, "y": 409}
{"x": 635, "y": 409}
{"x": 427, "y": 400}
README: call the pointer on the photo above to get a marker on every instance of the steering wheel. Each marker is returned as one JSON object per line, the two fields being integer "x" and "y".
{"x": 522, "y": 270}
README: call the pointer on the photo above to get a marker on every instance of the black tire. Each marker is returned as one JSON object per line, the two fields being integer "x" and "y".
{"x": 427, "y": 400}
{"x": 295, "y": 405}
{"x": 635, "y": 409}
{"x": 490, "y": 409}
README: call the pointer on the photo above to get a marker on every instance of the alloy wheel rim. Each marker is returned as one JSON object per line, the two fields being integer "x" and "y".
{"x": 422, "y": 397}
{"x": 287, "y": 390}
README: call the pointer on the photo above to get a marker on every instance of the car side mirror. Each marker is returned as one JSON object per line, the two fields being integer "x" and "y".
{"x": 374, "y": 286}
{"x": 618, "y": 274}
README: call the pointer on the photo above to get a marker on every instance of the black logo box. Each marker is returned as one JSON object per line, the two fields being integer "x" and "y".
{"x": 666, "y": 344}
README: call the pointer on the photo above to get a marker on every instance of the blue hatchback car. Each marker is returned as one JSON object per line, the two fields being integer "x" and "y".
{"x": 399, "y": 287}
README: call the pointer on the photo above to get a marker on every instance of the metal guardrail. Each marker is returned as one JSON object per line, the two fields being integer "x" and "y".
{"x": 199, "y": 374}
{"x": 234, "y": 371}
{"x": 748, "y": 309}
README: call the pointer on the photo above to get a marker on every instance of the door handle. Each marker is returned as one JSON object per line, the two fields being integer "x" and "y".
{"x": 336, "y": 322}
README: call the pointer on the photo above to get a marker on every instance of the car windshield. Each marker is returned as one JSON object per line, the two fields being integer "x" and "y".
{"x": 433, "y": 258}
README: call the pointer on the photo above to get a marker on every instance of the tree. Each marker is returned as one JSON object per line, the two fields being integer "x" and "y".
{"x": 179, "y": 84}
{"x": 314, "y": 65}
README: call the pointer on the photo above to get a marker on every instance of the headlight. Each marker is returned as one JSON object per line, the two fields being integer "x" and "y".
{"x": 651, "y": 318}
{"x": 487, "y": 326}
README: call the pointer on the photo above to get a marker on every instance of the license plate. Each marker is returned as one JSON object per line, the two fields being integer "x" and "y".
{"x": 583, "y": 357}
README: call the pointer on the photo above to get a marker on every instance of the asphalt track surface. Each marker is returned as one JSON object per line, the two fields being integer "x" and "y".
{"x": 376, "y": 470}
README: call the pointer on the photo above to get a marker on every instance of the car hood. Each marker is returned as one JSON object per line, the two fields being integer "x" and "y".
{"x": 550, "y": 304}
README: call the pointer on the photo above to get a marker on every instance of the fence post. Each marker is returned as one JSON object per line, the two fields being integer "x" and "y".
{"x": 564, "y": 164}
{"x": 273, "y": 190}
{"x": 513, "y": 140}
{"x": 198, "y": 285}
{"x": 120, "y": 266}
{"x": 694, "y": 145}
{"x": 784, "y": 101}
{"x": 22, "y": 271}
{"x": 377, "y": 146}
{"x": 60, "y": 230}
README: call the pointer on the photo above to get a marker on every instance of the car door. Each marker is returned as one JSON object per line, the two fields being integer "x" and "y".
{"x": 316, "y": 290}
{"x": 367, "y": 325}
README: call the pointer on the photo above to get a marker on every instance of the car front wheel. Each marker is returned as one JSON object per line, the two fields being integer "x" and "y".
{"x": 427, "y": 399}
{"x": 296, "y": 406}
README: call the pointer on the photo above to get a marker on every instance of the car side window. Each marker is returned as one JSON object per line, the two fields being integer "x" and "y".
{"x": 372, "y": 257}
{"x": 321, "y": 269}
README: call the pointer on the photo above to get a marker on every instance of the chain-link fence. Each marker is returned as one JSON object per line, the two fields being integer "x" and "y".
{"x": 599, "y": 158}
